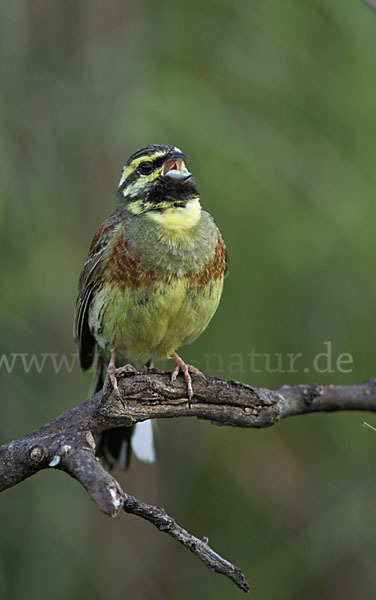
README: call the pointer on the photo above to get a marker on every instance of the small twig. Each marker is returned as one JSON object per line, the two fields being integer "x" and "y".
{"x": 365, "y": 424}
{"x": 67, "y": 443}
{"x": 370, "y": 3}
{"x": 162, "y": 521}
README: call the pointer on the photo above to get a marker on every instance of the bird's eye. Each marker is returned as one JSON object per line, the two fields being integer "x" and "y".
{"x": 145, "y": 168}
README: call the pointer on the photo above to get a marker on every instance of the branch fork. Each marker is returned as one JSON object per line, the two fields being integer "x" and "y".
{"x": 67, "y": 442}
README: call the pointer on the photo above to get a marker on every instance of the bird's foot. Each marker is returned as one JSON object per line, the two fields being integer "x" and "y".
{"x": 180, "y": 365}
{"x": 113, "y": 373}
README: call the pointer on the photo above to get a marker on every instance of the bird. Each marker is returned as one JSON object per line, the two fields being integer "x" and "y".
{"x": 151, "y": 283}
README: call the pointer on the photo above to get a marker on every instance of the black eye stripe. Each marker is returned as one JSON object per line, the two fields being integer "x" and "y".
{"x": 156, "y": 163}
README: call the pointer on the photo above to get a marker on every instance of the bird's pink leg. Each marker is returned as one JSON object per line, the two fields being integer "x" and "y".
{"x": 113, "y": 372}
{"x": 180, "y": 365}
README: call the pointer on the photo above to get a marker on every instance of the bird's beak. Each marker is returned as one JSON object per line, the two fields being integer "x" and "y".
{"x": 175, "y": 168}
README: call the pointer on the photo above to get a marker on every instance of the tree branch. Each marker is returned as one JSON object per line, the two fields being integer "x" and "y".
{"x": 370, "y": 3}
{"x": 67, "y": 442}
{"x": 201, "y": 548}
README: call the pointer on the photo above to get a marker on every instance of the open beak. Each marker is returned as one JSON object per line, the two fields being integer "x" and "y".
{"x": 175, "y": 168}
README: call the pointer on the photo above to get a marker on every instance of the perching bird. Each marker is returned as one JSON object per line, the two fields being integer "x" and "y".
{"x": 152, "y": 282}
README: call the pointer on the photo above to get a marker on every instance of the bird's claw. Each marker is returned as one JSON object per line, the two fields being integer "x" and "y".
{"x": 180, "y": 365}
{"x": 113, "y": 372}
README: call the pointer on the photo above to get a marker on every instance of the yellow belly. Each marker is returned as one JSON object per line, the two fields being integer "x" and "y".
{"x": 152, "y": 322}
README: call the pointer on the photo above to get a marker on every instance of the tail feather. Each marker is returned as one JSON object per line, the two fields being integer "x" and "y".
{"x": 143, "y": 441}
{"x": 114, "y": 446}
{"x": 99, "y": 375}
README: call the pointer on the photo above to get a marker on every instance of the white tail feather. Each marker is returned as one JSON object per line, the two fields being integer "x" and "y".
{"x": 143, "y": 441}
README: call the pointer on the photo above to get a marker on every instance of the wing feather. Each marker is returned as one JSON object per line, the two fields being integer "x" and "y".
{"x": 227, "y": 264}
{"x": 90, "y": 281}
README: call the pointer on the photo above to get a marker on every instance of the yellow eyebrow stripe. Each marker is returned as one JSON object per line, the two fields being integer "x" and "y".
{"x": 129, "y": 169}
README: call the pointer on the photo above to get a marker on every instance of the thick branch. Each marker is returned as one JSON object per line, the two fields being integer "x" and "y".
{"x": 67, "y": 442}
{"x": 151, "y": 395}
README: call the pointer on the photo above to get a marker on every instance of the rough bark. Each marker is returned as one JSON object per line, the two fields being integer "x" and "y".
{"x": 67, "y": 442}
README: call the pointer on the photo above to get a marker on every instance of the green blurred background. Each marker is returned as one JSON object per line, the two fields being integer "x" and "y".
{"x": 275, "y": 104}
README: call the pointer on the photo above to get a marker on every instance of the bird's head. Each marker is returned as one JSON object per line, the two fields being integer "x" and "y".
{"x": 155, "y": 179}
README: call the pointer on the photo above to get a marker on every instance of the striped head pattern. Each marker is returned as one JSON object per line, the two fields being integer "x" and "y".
{"x": 156, "y": 179}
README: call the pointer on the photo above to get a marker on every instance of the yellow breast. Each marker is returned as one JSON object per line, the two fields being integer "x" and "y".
{"x": 152, "y": 323}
